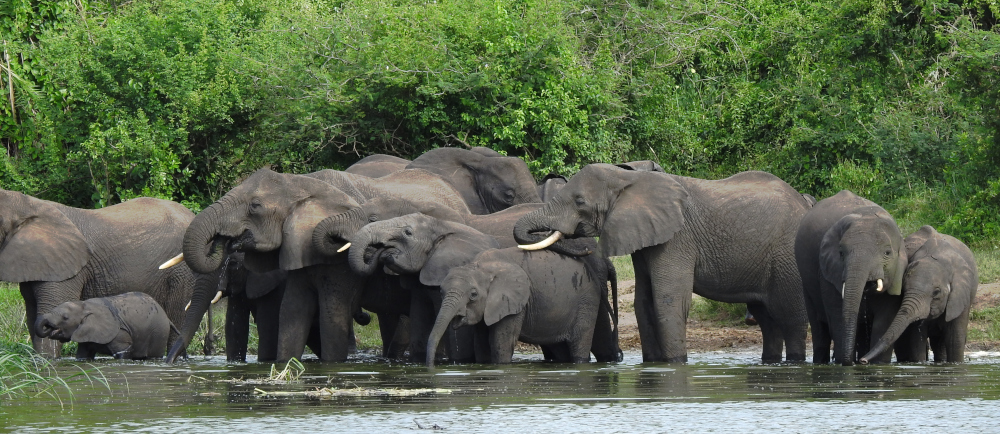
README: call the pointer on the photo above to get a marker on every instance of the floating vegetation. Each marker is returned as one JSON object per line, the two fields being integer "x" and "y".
{"x": 333, "y": 393}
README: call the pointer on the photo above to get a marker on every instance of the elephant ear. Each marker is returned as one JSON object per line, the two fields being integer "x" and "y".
{"x": 453, "y": 250}
{"x": 297, "y": 250}
{"x": 508, "y": 291}
{"x": 831, "y": 265}
{"x": 46, "y": 246}
{"x": 917, "y": 239}
{"x": 964, "y": 283}
{"x": 648, "y": 211}
{"x": 642, "y": 165}
{"x": 99, "y": 324}
{"x": 261, "y": 284}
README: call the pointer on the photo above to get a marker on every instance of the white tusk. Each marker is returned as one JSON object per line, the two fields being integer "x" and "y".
{"x": 218, "y": 296}
{"x": 543, "y": 243}
{"x": 842, "y": 288}
{"x": 346, "y": 246}
{"x": 173, "y": 261}
{"x": 880, "y": 288}
{"x": 186, "y": 307}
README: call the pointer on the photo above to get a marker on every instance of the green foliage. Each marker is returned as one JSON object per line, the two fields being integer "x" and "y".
{"x": 896, "y": 100}
{"x": 728, "y": 314}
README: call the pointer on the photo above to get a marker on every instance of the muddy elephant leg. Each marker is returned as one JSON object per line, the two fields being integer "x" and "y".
{"x": 911, "y": 347}
{"x": 295, "y": 318}
{"x": 884, "y": 310}
{"x": 503, "y": 338}
{"x": 35, "y": 305}
{"x": 671, "y": 273}
{"x": 645, "y": 315}
{"x": 266, "y": 317}
{"x": 338, "y": 291}
{"x": 237, "y": 328}
{"x": 422, "y": 316}
{"x": 832, "y": 318}
{"x": 770, "y": 332}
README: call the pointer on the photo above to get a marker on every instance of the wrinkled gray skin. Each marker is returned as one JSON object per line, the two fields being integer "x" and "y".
{"x": 422, "y": 249}
{"x": 939, "y": 287}
{"x": 126, "y": 326}
{"x": 59, "y": 253}
{"x": 247, "y": 293}
{"x": 539, "y": 297}
{"x": 487, "y": 183}
{"x": 271, "y": 217}
{"x": 377, "y": 165}
{"x": 729, "y": 240}
{"x": 550, "y": 185}
{"x": 844, "y": 245}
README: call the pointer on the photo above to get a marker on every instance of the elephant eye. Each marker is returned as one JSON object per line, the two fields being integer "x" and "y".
{"x": 408, "y": 232}
{"x": 509, "y": 194}
{"x": 579, "y": 201}
{"x": 473, "y": 295}
{"x": 888, "y": 252}
{"x": 255, "y": 206}
{"x": 937, "y": 292}
{"x": 372, "y": 218}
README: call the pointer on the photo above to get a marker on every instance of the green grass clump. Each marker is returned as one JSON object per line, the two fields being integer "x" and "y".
{"x": 721, "y": 313}
{"x": 623, "y": 266}
{"x": 985, "y": 324}
{"x": 23, "y": 374}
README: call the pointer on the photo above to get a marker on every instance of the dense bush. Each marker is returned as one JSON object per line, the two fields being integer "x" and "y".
{"x": 897, "y": 100}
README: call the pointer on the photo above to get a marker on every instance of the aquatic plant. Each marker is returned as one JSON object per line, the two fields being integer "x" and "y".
{"x": 25, "y": 374}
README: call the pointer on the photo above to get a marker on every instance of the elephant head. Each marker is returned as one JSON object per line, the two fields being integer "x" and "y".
{"x": 487, "y": 183}
{"x": 629, "y": 210}
{"x": 37, "y": 241}
{"x": 941, "y": 279}
{"x": 267, "y": 213}
{"x": 416, "y": 243}
{"x": 862, "y": 250}
{"x": 79, "y": 321}
{"x": 333, "y": 234}
{"x": 550, "y": 185}
{"x": 483, "y": 291}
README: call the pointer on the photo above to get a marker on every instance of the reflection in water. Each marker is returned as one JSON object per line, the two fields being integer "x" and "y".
{"x": 716, "y": 391}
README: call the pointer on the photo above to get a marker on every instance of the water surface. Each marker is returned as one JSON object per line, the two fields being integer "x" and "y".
{"x": 715, "y": 392}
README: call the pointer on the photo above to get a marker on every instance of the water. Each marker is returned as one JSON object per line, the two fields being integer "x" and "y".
{"x": 715, "y": 392}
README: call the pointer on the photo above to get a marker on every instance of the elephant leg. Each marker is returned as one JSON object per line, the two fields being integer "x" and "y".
{"x": 557, "y": 353}
{"x": 266, "y": 317}
{"x": 387, "y": 325}
{"x": 833, "y": 319}
{"x": 911, "y": 346}
{"x": 295, "y": 317}
{"x": 422, "y": 316}
{"x": 604, "y": 345}
{"x": 462, "y": 348}
{"x": 671, "y": 273}
{"x": 483, "y": 352}
{"x": 503, "y": 337}
{"x": 31, "y": 292}
{"x": 237, "y": 328}
{"x": 883, "y": 311}
{"x": 338, "y": 291}
{"x": 644, "y": 313}
{"x": 770, "y": 331}
{"x": 400, "y": 339}
{"x": 955, "y": 335}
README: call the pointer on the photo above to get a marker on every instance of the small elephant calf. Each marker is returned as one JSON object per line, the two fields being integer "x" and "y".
{"x": 126, "y": 326}
{"x": 539, "y": 297}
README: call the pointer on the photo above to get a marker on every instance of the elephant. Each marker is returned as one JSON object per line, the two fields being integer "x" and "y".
{"x": 550, "y": 185}
{"x": 538, "y": 297}
{"x": 377, "y": 165}
{"x": 59, "y": 253}
{"x": 422, "y": 249}
{"x": 851, "y": 256}
{"x": 126, "y": 326}
{"x": 729, "y": 240}
{"x": 271, "y": 217}
{"x": 939, "y": 286}
{"x": 487, "y": 181}
{"x": 248, "y": 293}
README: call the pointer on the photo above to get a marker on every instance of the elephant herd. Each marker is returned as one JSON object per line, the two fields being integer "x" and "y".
{"x": 461, "y": 254}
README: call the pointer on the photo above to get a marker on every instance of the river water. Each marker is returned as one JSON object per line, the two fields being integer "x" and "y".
{"x": 714, "y": 392}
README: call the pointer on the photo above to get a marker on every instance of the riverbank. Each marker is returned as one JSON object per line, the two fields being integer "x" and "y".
{"x": 708, "y": 335}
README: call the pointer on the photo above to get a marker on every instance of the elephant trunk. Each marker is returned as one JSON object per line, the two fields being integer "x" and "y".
{"x": 449, "y": 309}
{"x": 537, "y": 228}
{"x": 333, "y": 233}
{"x": 853, "y": 288}
{"x": 366, "y": 247}
{"x": 202, "y": 251}
{"x": 910, "y": 311}
{"x": 206, "y": 286}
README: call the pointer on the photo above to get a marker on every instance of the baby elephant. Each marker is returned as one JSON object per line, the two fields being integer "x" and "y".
{"x": 126, "y": 326}
{"x": 539, "y": 297}
{"x": 939, "y": 286}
